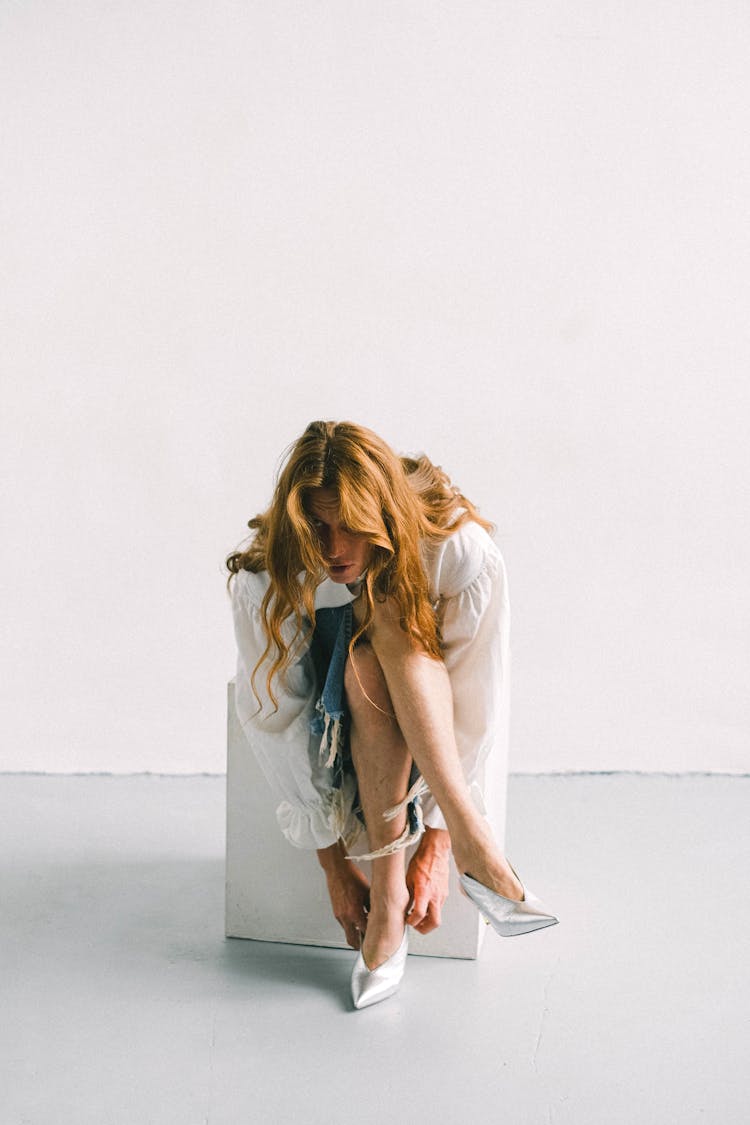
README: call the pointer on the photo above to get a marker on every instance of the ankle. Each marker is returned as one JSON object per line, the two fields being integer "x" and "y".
{"x": 387, "y": 901}
{"x": 388, "y": 878}
{"x": 477, "y": 846}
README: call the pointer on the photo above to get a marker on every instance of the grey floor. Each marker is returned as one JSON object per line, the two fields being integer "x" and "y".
{"x": 122, "y": 1002}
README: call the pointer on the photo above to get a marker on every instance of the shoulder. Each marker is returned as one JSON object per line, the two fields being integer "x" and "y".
{"x": 249, "y": 588}
{"x": 459, "y": 560}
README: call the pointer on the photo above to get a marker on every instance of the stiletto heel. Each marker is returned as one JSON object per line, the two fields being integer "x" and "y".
{"x": 507, "y": 916}
{"x": 370, "y": 986}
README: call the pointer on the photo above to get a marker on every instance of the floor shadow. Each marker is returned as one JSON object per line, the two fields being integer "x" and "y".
{"x": 147, "y": 915}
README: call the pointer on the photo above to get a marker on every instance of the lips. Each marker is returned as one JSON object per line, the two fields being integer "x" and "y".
{"x": 338, "y": 569}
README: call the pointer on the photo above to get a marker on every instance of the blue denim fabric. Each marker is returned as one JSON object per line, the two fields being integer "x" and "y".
{"x": 329, "y": 650}
{"x": 330, "y": 647}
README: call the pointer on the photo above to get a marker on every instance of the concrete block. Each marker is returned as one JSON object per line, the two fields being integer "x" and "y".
{"x": 276, "y": 892}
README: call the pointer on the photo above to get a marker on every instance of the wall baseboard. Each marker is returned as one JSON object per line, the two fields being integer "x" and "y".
{"x": 511, "y": 773}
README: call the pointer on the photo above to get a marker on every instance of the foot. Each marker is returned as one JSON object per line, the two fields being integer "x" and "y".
{"x": 385, "y": 929}
{"x": 488, "y": 866}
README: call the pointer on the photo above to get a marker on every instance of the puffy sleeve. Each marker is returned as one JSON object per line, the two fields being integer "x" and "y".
{"x": 309, "y": 812}
{"x": 474, "y": 616}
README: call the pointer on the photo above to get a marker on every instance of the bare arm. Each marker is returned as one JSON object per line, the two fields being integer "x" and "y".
{"x": 348, "y": 891}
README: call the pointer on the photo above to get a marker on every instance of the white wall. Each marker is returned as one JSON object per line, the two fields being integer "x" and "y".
{"x": 512, "y": 235}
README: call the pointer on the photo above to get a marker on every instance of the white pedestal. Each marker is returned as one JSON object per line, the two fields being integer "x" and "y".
{"x": 276, "y": 892}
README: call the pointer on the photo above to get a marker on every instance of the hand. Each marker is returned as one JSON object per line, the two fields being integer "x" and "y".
{"x": 348, "y": 891}
{"x": 427, "y": 880}
{"x": 384, "y": 629}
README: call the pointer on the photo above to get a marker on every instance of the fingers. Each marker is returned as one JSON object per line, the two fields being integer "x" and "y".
{"x": 417, "y": 912}
{"x": 354, "y": 929}
{"x": 424, "y": 916}
{"x": 421, "y": 900}
{"x": 431, "y": 920}
{"x": 349, "y": 893}
{"x": 353, "y": 936}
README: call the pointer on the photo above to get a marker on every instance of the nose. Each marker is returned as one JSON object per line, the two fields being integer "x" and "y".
{"x": 336, "y": 545}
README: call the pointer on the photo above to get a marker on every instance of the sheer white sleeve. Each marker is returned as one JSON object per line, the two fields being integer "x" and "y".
{"x": 474, "y": 618}
{"x": 311, "y": 813}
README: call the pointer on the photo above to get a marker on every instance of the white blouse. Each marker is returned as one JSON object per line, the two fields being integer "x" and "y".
{"x": 469, "y": 588}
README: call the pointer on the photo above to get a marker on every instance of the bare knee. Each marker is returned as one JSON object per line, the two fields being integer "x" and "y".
{"x": 366, "y": 690}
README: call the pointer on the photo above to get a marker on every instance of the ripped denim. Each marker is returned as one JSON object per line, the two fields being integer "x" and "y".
{"x": 331, "y": 721}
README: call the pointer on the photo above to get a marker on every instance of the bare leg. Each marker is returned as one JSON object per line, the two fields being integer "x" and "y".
{"x": 383, "y": 764}
{"x": 420, "y": 692}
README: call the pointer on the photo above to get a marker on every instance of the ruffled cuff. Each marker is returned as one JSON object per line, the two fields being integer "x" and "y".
{"x": 305, "y": 828}
{"x": 313, "y": 827}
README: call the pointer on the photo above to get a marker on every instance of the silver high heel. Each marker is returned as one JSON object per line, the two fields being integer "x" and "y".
{"x": 370, "y": 986}
{"x": 507, "y": 916}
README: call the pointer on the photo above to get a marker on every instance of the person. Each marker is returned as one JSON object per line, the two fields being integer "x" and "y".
{"x": 371, "y": 617}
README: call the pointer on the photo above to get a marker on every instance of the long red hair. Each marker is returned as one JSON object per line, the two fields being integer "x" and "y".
{"x": 395, "y": 502}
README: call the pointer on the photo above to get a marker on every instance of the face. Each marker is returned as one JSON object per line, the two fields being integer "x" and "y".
{"x": 346, "y": 553}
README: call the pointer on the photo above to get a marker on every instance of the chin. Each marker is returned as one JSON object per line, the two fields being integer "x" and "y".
{"x": 346, "y": 575}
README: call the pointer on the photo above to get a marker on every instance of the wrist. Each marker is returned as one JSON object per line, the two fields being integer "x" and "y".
{"x": 330, "y": 858}
{"x": 436, "y": 839}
